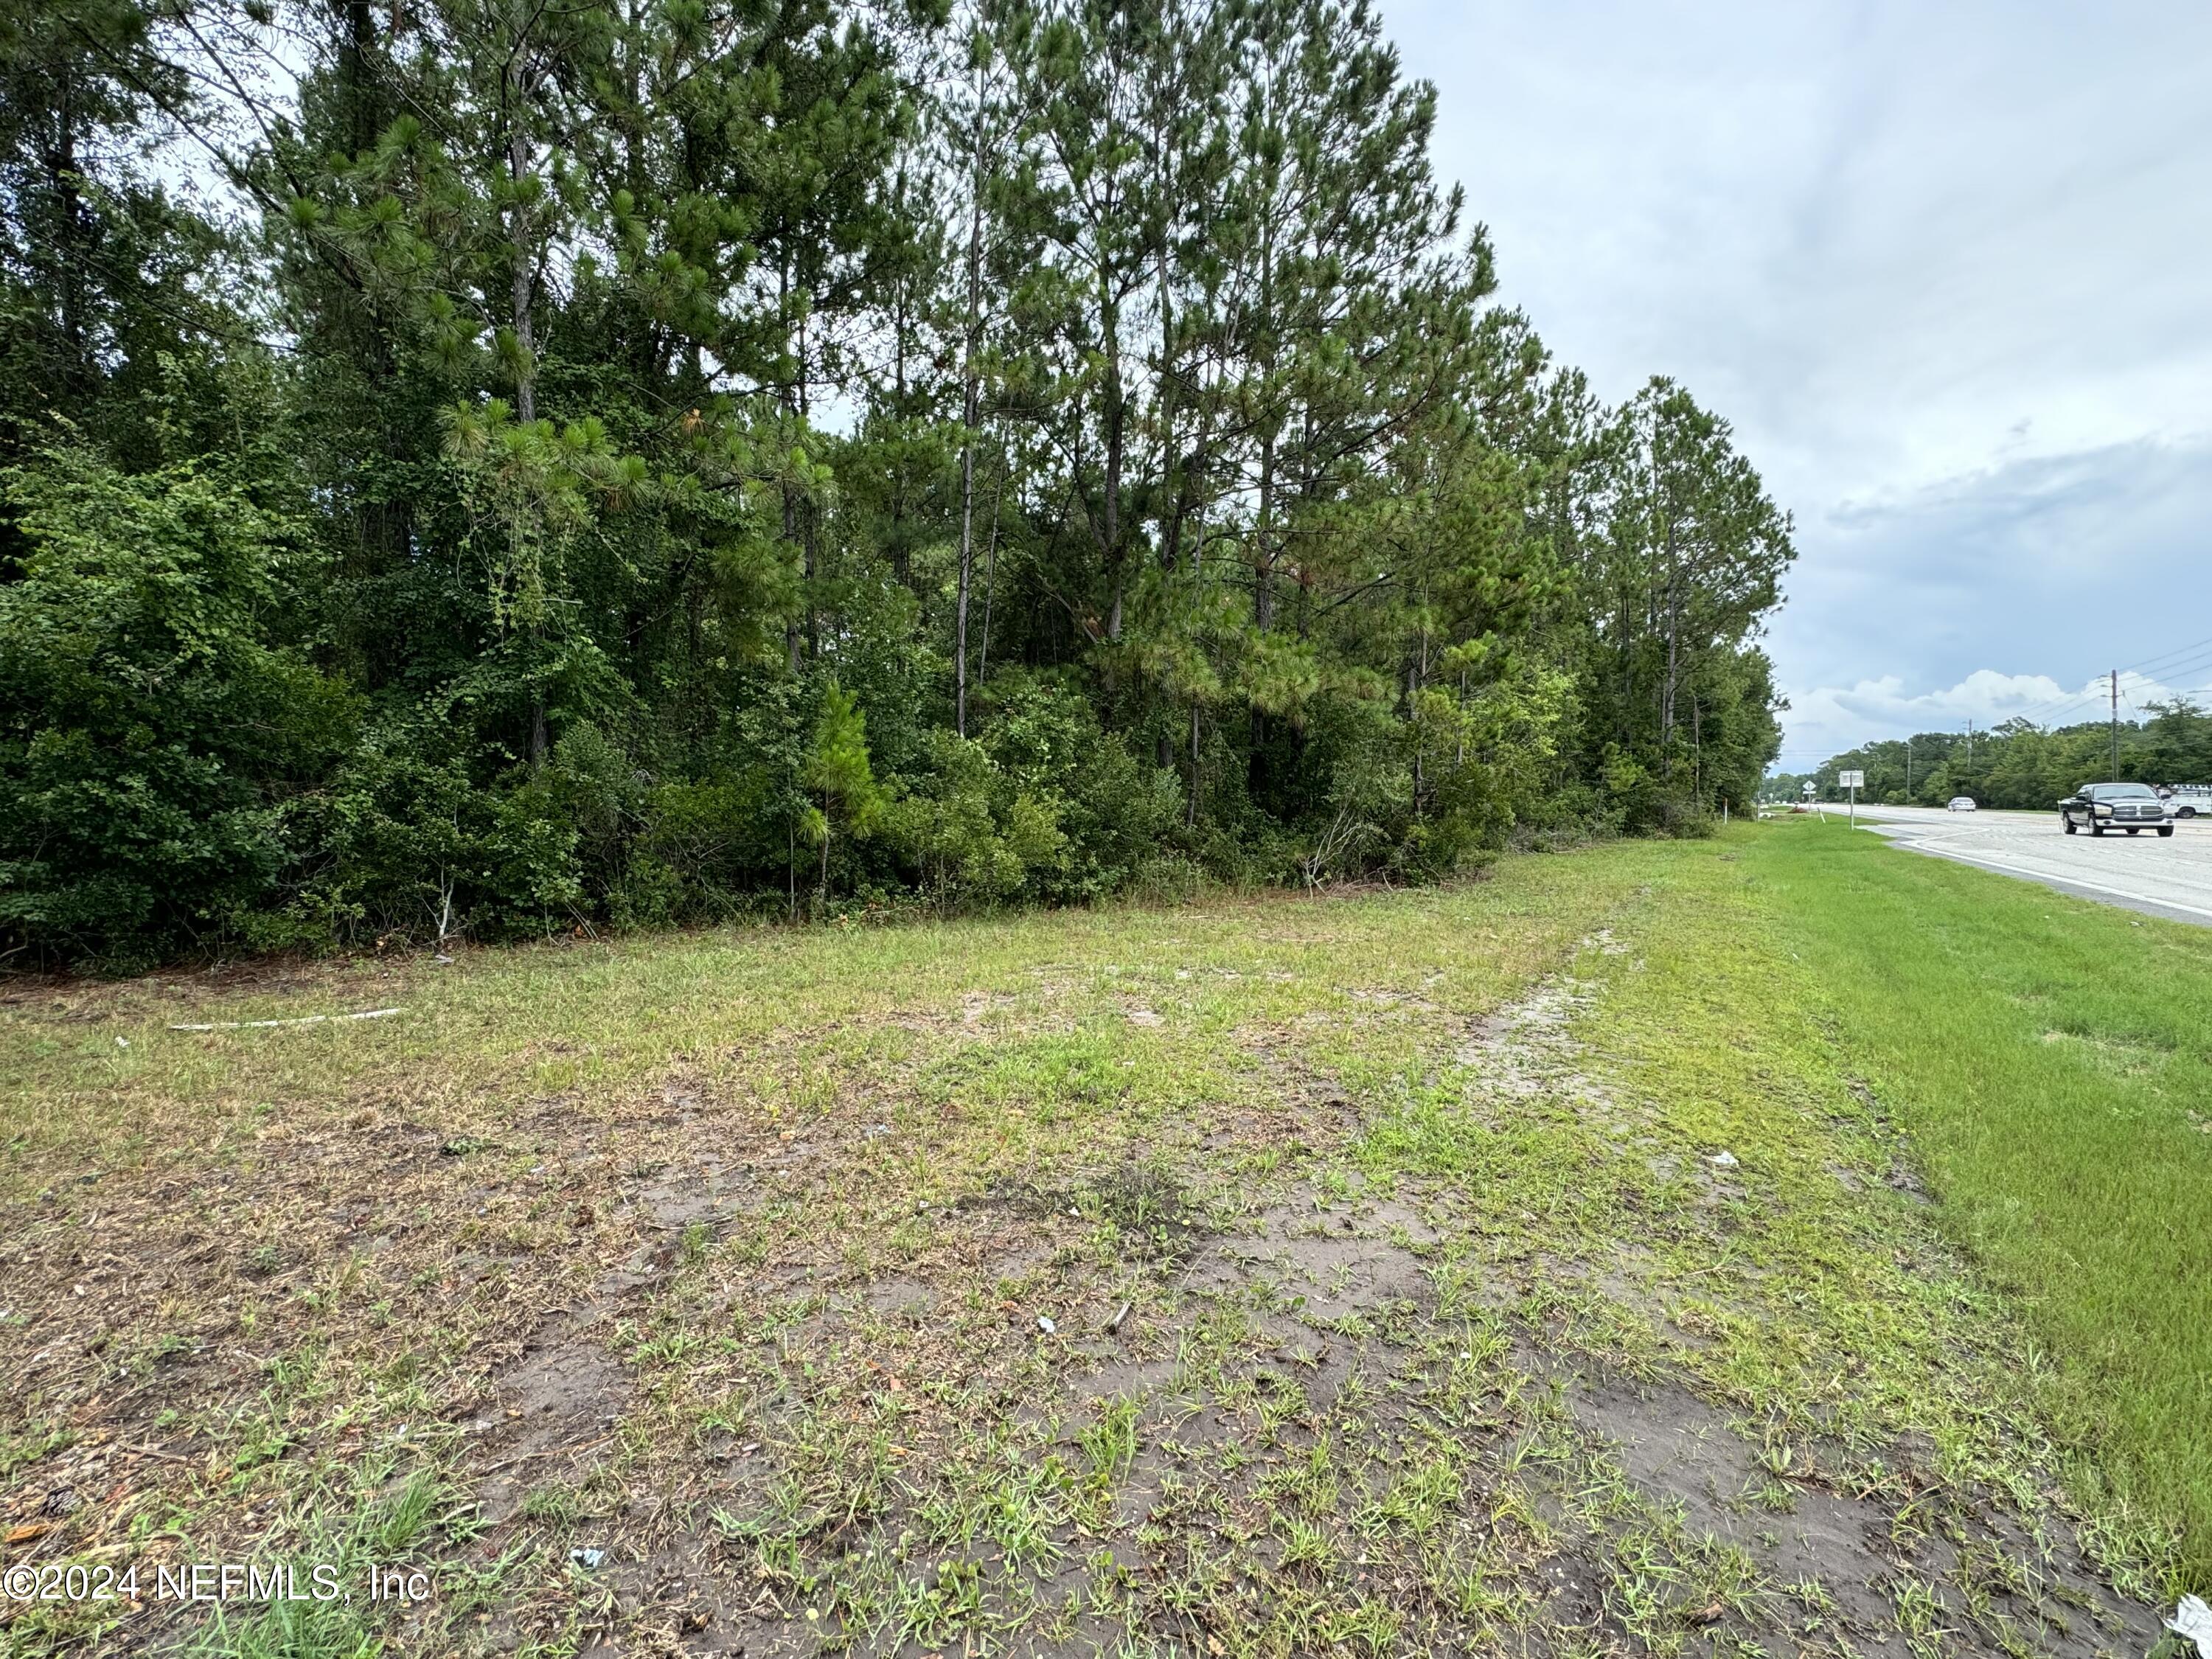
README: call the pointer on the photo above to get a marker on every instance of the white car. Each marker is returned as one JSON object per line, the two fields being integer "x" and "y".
{"x": 1961, "y": 804}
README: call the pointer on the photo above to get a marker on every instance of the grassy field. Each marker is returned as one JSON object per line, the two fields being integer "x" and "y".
{"x": 2054, "y": 1059}
{"x": 1774, "y": 1244}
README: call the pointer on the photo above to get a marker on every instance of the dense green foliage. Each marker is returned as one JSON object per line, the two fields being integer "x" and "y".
{"x": 618, "y": 464}
{"x": 2021, "y": 764}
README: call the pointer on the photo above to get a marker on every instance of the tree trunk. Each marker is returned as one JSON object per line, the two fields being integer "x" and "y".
{"x": 969, "y": 409}
{"x": 1263, "y": 607}
{"x": 901, "y": 558}
{"x": 810, "y": 541}
{"x": 1263, "y": 556}
{"x": 1173, "y": 485}
{"x": 790, "y": 500}
{"x": 1117, "y": 416}
{"x": 1190, "y": 805}
{"x": 1673, "y": 631}
{"x": 991, "y": 568}
{"x": 1420, "y": 677}
{"x": 354, "y": 53}
{"x": 791, "y": 623}
{"x": 521, "y": 280}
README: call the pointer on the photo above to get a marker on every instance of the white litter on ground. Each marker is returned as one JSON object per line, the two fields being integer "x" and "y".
{"x": 305, "y": 1019}
{"x": 2193, "y": 1619}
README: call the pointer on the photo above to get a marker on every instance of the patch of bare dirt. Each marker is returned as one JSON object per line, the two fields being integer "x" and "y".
{"x": 1332, "y": 1264}
{"x": 1802, "y": 1529}
{"x": 1799, "y": 1527}
{"x": 557, "y": 1406}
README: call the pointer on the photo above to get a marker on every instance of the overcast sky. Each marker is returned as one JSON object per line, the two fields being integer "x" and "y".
{"x": 1949, "y": 269}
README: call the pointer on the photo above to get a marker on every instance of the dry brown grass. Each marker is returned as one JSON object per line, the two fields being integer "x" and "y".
{"x": 1236, "y": 1277}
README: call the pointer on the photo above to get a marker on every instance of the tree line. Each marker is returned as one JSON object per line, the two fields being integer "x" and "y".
{"x": 479, "y": 468}
{"x": 2019, "y": 763}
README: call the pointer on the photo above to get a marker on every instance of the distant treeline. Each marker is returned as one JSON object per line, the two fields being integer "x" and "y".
{"x": 618, "y": 463}
{"x": 2018, "y": 764}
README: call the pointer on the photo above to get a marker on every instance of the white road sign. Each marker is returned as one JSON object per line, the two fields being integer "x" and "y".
{"x": 1850, "y": 780}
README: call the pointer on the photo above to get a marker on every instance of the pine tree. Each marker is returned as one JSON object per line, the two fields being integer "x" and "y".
{"x": 1694, "y": 556}
{"x": 1154, "y": 325}
{"x": 99, "y": 299}
{"x": 838, "y": 773}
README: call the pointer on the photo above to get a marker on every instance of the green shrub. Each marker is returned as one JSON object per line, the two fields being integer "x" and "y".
{"x": 1113, "y": 809}
{"x": 968, "y": 833}
{"x": 404, "y": 844}
{"x": 148, "y": 730}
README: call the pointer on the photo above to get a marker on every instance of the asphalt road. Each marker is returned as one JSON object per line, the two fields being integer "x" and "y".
{"x": 2162, "y": 875}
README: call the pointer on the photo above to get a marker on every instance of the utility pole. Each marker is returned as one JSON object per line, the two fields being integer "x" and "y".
{"x": 2116, "y": 725}
{"x": 1908, "y": 771}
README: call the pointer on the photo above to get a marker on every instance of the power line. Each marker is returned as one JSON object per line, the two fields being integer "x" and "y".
{"x": 2051, "y": 712}
{"x": 2186, "y": 660}
{"x": 2182, "y": 660}
{"x": 2086, "y": 702}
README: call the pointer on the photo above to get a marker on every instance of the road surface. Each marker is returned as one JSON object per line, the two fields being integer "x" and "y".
{"x": 2162, "y": 875}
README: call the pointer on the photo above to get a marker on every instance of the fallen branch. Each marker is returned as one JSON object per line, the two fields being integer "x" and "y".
{"x": 549, "y": 1451}
{"x": 156, "y": 1451}
{"x": 305, "y": 1019}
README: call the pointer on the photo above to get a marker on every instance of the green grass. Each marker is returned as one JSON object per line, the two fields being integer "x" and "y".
{"x": 2053, "y": 1060}
{"x": 1353, "y": 1221}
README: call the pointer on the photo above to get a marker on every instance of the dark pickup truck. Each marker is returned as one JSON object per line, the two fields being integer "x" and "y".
{"x": 2101, "y": 806}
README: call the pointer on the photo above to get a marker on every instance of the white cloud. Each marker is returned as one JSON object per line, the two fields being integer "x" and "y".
{"x": 1829, "y": 719}
{"x": 2061, "y": 568}
{"x": 1936, "y": 264}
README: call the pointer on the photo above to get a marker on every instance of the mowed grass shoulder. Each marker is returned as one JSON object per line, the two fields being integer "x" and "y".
{"x": 1541, "y": 1265}
{"x": 2054, "y": 1060}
